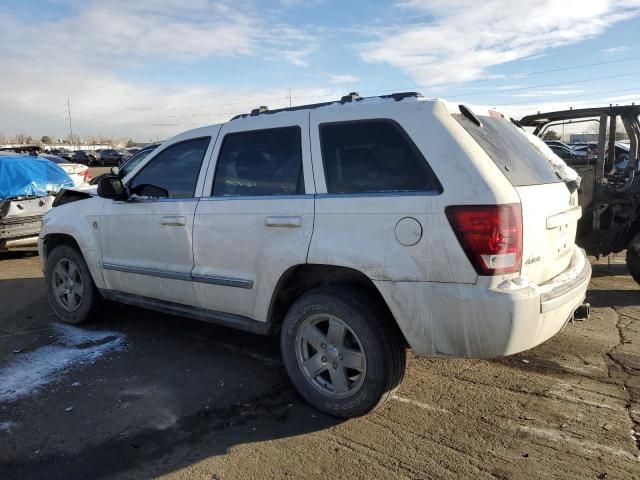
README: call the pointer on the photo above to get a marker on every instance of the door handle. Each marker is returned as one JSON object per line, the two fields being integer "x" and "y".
{"x": 286, "y": 221}
{"x": 174, "y": 221}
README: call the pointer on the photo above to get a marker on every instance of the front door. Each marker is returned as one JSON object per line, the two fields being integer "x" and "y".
{"x": 255, "y": 218}
{"x": 146, "y": 242}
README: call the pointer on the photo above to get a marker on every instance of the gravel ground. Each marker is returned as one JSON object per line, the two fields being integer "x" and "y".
{"x": 136, "y": 394}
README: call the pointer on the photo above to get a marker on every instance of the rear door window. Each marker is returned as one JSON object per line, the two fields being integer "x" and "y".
{"x": 370, "y": 156}
{"x": 520, "y": 161}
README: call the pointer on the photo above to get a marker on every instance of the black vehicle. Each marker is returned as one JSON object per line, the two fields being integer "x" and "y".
{"x": 82, "y": 156}
{"x": 108, "y": 156}
{"x": 131, "y": 163}
{"x": 565, "y": 153}
{"x": 610, "y": 201}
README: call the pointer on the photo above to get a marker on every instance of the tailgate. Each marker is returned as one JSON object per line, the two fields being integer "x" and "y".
{"x": 550, "y": 215}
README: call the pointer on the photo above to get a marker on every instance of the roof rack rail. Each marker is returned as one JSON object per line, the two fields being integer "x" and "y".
{"x": 350, "y": 98}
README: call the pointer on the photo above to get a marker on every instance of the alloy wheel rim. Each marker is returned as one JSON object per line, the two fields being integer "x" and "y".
{"x": 330, "y": 355}
{"x": 66, "y": 283}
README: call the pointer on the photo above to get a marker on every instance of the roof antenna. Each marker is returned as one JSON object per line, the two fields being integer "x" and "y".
{"x": 259, "y": 110}
{"x": 351, "y": 97}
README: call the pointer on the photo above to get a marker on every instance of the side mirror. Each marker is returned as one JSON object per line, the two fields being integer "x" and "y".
{"x": 111, "y": 187}
{"x": 115, "y": 170}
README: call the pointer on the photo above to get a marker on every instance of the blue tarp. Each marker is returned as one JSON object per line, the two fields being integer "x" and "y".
{"x": 24, "y": 175}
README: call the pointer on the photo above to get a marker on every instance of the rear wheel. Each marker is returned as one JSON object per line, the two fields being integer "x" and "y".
{"x": 70, "y": 288}
{"x": 633, "y": 258}
{"x": 341, "y": 351}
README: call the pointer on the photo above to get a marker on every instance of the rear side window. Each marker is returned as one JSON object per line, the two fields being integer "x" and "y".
{"x": 520, "y": 161}
{"x": 173, "y": 173}
{"x": 372, "y": 156}
{"x": 260, "y": 162}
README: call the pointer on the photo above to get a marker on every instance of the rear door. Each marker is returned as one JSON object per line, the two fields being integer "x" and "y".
{"x": 550, "y": 212}
{"x": 255, "y": 219}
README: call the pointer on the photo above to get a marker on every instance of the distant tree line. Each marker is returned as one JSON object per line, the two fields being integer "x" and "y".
{"x": 24, "y": 139}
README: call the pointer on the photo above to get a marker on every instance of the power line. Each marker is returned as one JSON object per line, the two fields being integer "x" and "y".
{"x": 508, "y": 77}
{"x": 288, "y": 97}
{"x": 606, "y": 92}
{"x": 531, "y": 87}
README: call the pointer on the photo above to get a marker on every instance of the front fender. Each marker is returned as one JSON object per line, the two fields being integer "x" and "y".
{"x": 80, "y": 221}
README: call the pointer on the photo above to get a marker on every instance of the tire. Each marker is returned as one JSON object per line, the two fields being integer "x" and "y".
{"x": 82, "y": 297}
{"x": 371, "y": 342}
{"x": 633, "y": 258}
{"x": 102, "y": 164}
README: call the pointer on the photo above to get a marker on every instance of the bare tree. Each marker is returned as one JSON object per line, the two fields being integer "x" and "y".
{"x": 18, "y": 138}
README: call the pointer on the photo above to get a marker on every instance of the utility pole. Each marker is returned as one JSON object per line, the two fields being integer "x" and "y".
{"x": 70, "y": 125}
{"x": 290, "y": 98}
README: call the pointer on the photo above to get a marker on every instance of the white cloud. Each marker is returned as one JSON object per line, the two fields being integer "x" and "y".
{"x": 339, "y": 79}
{"x": 549, "y": 93}
{"x": 123, "y": 32}
{"x": 459, "y": 40}
{"x": 84, "y": 56}
{"x": 614, "y": 50}
{"x": 102, "y": 103}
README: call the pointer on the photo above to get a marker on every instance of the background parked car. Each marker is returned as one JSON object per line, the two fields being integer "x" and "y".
{"x": 565, "y": 153}
{"x": 131, "y": 163}
{"x": 108, "y": 156}
{"x": 82, "y": 156}
{"x": 79, "y": 173}
{"x": 27, "y": 188}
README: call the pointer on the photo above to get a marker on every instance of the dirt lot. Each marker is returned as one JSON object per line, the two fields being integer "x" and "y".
{"x": 137, "y": 394}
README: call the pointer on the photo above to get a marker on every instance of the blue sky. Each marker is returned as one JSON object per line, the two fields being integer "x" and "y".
{"x": 151, "y": 68}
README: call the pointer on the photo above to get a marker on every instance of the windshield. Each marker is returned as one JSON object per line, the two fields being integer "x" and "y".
{"x": 134, "y": 161}
{"x": 518, "y": 159}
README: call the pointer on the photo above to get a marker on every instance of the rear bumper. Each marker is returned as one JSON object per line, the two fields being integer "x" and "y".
{"x": 463, "y": 320}
{"x": 18, "y": 243}
{"x": 19, "y": 233}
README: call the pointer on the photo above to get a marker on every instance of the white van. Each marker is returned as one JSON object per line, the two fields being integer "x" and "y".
{"x": 350, "y": 228}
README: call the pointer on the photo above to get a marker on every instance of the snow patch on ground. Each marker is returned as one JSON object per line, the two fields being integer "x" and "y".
{"x": 73, "y": 347}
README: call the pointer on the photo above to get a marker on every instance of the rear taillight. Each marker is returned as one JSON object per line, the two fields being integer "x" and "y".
{"x": 491, "y": 236}
{"x": 87, "y": 175}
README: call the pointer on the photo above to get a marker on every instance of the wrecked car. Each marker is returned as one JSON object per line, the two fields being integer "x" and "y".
{"x": 610, "y": 186}
{"x": 27, "y": 188}
{"x": 350, "y": 228}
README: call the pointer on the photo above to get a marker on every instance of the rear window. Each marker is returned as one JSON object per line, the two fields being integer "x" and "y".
{"x": 373, "y": 156}
{"x": 520, "y": 161}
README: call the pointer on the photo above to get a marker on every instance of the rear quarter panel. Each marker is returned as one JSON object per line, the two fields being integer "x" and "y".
{"x": 358, "y": 231}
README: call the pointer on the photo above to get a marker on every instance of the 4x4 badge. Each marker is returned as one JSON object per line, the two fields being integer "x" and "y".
{"x": 531, "y": 260}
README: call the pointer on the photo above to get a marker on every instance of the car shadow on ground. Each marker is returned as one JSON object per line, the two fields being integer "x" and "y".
{"x": 608, "y": 270}
{"x": 177, "y": 392}
{"x": 613, "y": 298}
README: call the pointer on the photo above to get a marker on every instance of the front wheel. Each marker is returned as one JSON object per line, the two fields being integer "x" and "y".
{"x": 70, "y": 288}
{"x": 633, "y": 258}
{"x": 341, "y": 351}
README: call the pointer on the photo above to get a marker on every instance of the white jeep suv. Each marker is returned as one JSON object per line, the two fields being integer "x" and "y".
{"x": 351, "y": 228}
